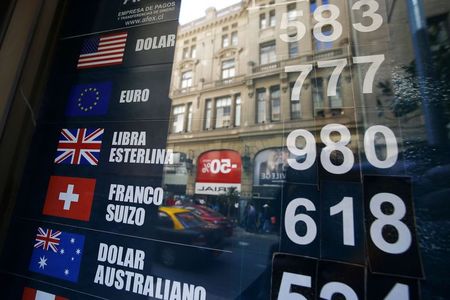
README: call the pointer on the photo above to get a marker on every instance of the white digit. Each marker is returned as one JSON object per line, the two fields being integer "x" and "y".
{"x": 346, "y": 207}
{"x": 400, "y": 291}
{"x": 377, "y": 19}
{"x": 334, "y": 287}
{"x": 300, "y": 28}
{"x": 225, "y": 166}
{"x": 290, "y": 279}
{"x": 391, "y": 146}
{"x": 339, "y": 65}
{"x": 304, "y": 72}
{"x": 376, "y": 61}
{"x": 325, "y": 155}
{"x": 291, "y": 219}
{"x": 376, "y": 229}
{"x": 215, "y": 166}
{"x": 309, "y": 151}
{"x": 331, "y": 20}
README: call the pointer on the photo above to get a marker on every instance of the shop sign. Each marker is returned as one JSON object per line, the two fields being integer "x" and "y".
{"x": 270, "y": 166}
{"x": 218, "y": 172}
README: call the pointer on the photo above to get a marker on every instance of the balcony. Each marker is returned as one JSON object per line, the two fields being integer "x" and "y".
{"x": 183, "y": 91}
{"x": 311, "y": 58}
{"x": 224, "y": 82}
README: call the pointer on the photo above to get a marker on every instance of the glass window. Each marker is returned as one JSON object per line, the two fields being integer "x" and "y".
{"x": 228, "y": 69}
{"x": 326, "y": 30}
{"x": 272, "y": 19}
{"x": 295, "y": 105}
{"x": 318, "y": 97}
{"x": 275, "y": 105}
{"x": 312, "y": 6}
{"x": 164, "y": 220}
{"x": 186, "y": 52}
{"x": 267, "y": 53}
{"x": 189, "y": 220}
{"x": 261, "y": 106}
{"x": 291, "y": 12}
{"x": 262, "y": 21}
{"x": 234, "y": 38}
{"x": 193, "y": 51}
{"x": 208, "y": 114}
{"x": 293, "y": 49}
{"x": 223, "y": 112}
{"x": 178, "y": 118}
{"x": 186, "y": 79}
{"x": 336, "y": 102}
{"x": 237, "y": 109}
{"x": 225, "y": 41}
{"x": 189, "y": 118}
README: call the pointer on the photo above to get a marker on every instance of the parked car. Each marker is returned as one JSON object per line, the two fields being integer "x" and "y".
{"x": 209, "y": 215}
{"x": 185, "y": 236}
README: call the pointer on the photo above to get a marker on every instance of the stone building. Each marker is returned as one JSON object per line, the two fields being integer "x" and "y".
{"x": 230, "y": 89}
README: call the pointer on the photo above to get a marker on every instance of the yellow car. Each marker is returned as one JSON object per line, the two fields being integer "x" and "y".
{"x": 187, "y": 234}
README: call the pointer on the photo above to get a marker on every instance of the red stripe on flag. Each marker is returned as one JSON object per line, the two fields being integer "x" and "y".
{"x": 29, "y": 294}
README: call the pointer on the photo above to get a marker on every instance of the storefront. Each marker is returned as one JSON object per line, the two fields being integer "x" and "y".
{"x": 254, "y": 149}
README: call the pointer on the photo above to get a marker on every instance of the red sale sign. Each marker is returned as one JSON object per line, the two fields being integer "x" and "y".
{"x": 218, "y": 171}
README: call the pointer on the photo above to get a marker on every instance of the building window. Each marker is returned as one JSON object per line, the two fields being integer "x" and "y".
{"x": 186, "y": 79}
{"x": 228, "y": 69}
{"x": 189, "y": 118}
{"x": 295, "y": 106}
{"x": 312, "y": 6}
{"x": 318, "y": 97}
{"x": 262, "y": 21}
{"x": 275, "y": 105}
{"x": 185, "y": 53}
{"x": 261, "y": 106}
{"x": 291, "y": 12}
{"x": 272, "y": 20}
{"x": 178, "y": 118}
{"x": 208, "y": 114}
{"x": 336, "y": 102}
{"x": 234, "y": 38}
{"x": 267, "y": 53}
{"x": 225, "y": 41}
{"x": 223, "y": 112}
{"x": 438, "y": 34}
{"x": 193, "y": 51}
{"x": 237, "y": 111}
{"x": 326, "y": 30}
{"x": 293, "y": 49}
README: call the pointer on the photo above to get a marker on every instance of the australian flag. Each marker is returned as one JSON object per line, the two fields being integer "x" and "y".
{"x": 57, "y": 254}
{"x": 89, "y": 99}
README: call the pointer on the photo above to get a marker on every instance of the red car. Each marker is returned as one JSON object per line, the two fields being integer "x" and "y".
{"x": 209, "y": 215}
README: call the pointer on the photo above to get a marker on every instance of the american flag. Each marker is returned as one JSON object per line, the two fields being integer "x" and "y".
{"x": 103, "y": 50}
{"x": 47, "y": 239}
{"x": 79, "y": 146}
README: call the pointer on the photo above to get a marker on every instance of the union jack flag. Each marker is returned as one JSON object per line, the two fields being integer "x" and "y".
{"x": 79, "y": 146}
{"x": 47, "y": 238}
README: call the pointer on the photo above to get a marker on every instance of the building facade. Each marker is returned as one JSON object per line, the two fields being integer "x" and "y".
{"x": 234, "y": 77}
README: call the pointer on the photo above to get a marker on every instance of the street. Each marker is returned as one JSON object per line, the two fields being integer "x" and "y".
{"x": 230, "y": 274}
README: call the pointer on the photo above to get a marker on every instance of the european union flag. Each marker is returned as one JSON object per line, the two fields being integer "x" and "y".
{"x": 89, "y": 99}
{"x": 57, "y": 254}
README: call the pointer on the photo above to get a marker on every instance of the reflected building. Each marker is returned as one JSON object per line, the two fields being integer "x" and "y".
{"x": 233, "y": 86}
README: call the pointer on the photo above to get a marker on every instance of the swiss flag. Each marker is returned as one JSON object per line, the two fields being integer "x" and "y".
{"x": 32, "y": 294}
{"x": 69, "y": 197}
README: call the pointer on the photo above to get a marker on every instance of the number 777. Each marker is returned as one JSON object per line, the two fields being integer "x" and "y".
{"x": 375, "y": 62}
